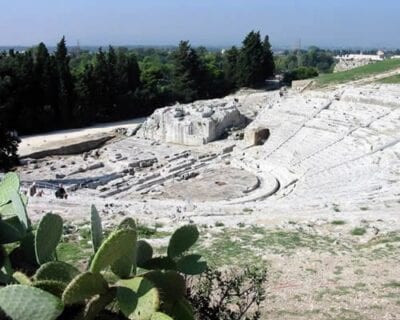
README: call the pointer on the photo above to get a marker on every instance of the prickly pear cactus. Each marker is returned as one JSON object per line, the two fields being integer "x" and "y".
{"x": 84, "y": 286}
{"x": 8, "y": 233}
{"x": 170, "y": 284}
{"x": 120, "y": 243}
{"x": 98, "y": 304}
{"x": 54, "y": 287}
{"x": 182, "y": 309}
{"x": 22, "y": 278}
{"x": 20, "y": 209}
{"x": 47, "y": 237}
{"x": 138, "y": 298}
{"x": 160, "y": 316}
{"x": 57, "y": 271}
{"x": 96, "y": 228}
{"x": 191, "y": 264}
{"x": 182, "y": 240}
{"x": 144, "y": 252}
{"x": 21, "y": 302}
{"x": 126, "y": 265}
{"x": 8, "y": 185}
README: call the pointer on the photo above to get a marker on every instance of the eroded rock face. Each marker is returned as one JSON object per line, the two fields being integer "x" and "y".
{"x": 193, "y": 124}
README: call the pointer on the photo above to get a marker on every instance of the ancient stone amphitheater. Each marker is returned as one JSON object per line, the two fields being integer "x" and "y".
{"x": 274, "y": 154}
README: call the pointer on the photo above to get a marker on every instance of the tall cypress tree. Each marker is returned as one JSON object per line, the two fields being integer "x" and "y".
{"x": 65, "y": 84}
{"x": 188, "y": 73}
{"x": 231, "y": 58}
{"x": 268, "y": 59}
{"x": 251, "y": 58}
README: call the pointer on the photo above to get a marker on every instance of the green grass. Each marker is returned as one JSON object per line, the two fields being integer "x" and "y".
{"x": 245, "y": 245}
{"x": 72, "y": 253}
{"x": 357, "y": 73}
{"x": 392, "y": 284}
{"x": 358, "y": 231}
{"x": 338, "y": 222}
{"x": 391, "y": 80}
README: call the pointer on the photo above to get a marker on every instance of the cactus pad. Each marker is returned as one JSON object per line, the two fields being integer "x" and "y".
{"x": 8, "y": 233}
{"x": 20, "y": 209}
{"x": 22, "y": 278}
{"x": 96, "y": 228}
{"x": 48, "y": 235}
{"x": 28, "y": 303}
{"x": 182, "y": 240}
{"x": 8, "y": 185}
{"x": 98, "y": 304}
{"x": 170, "y": 284}
{"x": 137, "y": 298}
{"x": 56, "y": 270}
{"x": 120, "y": 243}
{"x": 160, "y": 316}
{"x": 144, "y": 252}
{"x": 84, "y": 286}
{"x": 54, "y": 287}
{"x": 191, "y": 264}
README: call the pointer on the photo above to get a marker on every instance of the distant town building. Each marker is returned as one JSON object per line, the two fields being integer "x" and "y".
{"x": 351, "y": 61}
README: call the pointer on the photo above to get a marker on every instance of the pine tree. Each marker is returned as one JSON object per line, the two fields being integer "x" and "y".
{"x": 65, "y": 84}
{"x": 103, "y": 97}
{"x": 231, "y": 58}
{"x": 251, "y": 58}
{"x": 188, "y": 73}
{"x": 85, "y": 90}
{"x": 268, "y": 59}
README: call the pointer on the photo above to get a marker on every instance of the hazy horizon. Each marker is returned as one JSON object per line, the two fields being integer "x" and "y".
{"x": 347, "y": 24}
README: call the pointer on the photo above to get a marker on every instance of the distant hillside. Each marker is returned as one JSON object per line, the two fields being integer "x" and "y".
{"x": 358, "y": 73}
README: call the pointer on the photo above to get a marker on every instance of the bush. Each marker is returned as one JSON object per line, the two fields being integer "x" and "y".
{"x": 122, "y": 280}
{"x": 8, "y": 148}
{"x": 228, "y": 295}
{"x": 300, "y": 73}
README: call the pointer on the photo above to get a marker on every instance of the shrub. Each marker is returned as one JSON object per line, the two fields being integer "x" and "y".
{"x": 8, "y": 148}
{"x": 300, "y": 73}
{"x": 229, "y": 294}
{"x": 358, "y": 231}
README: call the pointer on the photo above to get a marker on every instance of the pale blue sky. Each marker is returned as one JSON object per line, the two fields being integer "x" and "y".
{"x": 203, "y": 22}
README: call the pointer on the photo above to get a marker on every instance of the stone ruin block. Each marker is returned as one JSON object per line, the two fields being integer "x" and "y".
{"x": 193, "y": 124}
{"x": 256, "y": 136}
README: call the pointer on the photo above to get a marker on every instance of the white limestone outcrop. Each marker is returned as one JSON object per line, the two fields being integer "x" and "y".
{"x": 193, "y": 124}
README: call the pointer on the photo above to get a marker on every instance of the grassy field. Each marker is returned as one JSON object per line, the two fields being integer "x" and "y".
{"x": 357, "y": 73}
{"x": 391, "y": 80}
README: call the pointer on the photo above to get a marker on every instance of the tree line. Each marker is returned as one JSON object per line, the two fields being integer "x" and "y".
{"x": 42, "y": 91}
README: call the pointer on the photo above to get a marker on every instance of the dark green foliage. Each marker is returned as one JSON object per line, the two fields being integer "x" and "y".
{"x": 8, "y": 148}
{"x": 182, "y": 240}
{"x": 228, "y": 295}
{"x": 188, "y": 73}
{"x": 314, "y": 57}
{"x": 300, "y": 73}
{"x": 255, "y": 63}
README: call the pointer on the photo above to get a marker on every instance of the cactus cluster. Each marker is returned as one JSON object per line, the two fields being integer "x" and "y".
{"x": 35, "y": 285}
